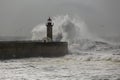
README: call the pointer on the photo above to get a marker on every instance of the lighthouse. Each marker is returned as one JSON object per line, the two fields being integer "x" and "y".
{"x": 49, "y": 26}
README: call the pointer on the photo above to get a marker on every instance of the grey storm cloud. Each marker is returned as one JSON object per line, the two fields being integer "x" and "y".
{"x": 18, "y": 17}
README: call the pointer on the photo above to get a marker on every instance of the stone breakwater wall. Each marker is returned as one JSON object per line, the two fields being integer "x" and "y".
{"x": 24, "y": 49}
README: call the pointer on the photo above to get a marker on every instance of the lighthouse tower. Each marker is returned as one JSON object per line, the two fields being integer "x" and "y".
{"x": 49, "y": 29}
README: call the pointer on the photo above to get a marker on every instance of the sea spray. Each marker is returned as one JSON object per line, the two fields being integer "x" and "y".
{"x": 81, "y": 41}
{"x": 70, "y": 29}
{"x": 65, "y": 28}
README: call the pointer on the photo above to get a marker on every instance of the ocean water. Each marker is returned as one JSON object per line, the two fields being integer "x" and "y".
{"x": 69, "y": 67}
{"x": 89, "y": 58}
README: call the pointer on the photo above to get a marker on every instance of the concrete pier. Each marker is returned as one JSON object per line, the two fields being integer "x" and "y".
{"x": 25, "y": 49}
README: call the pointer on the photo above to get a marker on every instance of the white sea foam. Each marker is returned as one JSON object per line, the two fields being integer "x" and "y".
{"x": 70, "y": 67}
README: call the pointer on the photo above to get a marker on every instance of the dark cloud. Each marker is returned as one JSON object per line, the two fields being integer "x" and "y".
{"x": 18, "y": 17}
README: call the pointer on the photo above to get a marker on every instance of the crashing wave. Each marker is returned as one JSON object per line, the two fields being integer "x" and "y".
{"x": 76, "y": 33}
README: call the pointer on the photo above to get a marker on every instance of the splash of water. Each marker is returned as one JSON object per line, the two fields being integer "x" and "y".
{"x": 65, "y": 29}
{"x": 75, "y": 32}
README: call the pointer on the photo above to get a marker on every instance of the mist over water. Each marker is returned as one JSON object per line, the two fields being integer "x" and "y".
{"x": 65, "y": 28}
{"x": 81, "y": 42}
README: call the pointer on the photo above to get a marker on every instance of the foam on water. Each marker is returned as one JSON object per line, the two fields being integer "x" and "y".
{"x": 70, "y": 67}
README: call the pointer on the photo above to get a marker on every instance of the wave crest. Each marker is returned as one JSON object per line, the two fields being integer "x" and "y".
{"x": 75, "y": 32}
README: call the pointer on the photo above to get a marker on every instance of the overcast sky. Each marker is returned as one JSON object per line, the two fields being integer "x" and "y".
{"x": 18, "y": 17}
